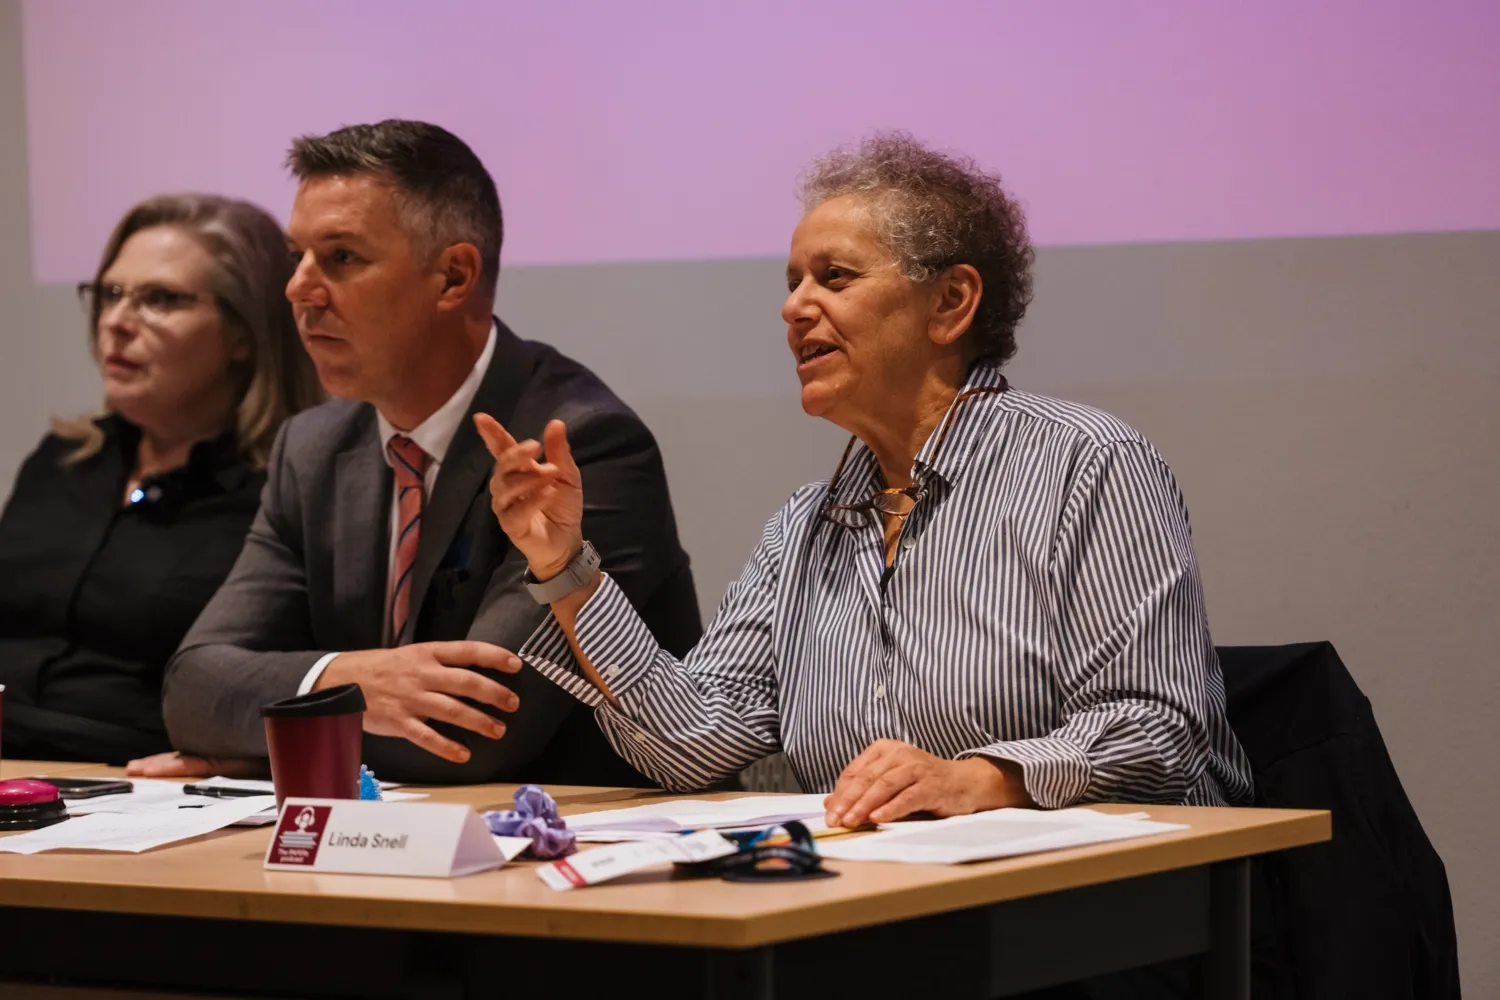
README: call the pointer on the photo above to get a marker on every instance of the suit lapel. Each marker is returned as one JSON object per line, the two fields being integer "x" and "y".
{"x": 361, "y": 537}
{"x": 466, "y": 468}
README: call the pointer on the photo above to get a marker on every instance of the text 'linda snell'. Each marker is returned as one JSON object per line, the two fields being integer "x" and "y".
{"x": 360, "y": 840}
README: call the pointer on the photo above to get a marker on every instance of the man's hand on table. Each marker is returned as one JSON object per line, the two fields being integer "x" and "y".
{"x": 891, "y": 780}
{"x": 186, "y": 765}
{"x": 406, "y": 686}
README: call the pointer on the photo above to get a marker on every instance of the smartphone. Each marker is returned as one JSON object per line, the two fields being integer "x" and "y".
{"x": 88, "y": 788}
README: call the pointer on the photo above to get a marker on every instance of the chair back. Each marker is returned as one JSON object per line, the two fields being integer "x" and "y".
{"x": 1367, "y": 915}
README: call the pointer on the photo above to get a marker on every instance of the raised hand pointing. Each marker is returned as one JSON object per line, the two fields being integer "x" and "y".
{"x": 539, "y": 503}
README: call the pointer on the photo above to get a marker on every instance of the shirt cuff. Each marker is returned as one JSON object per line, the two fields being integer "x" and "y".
{"x": 317, "y": 671}
{"x": 618, "y": 643}
{"x": 1055, "y": 772}
{"x": 548, "y": 651}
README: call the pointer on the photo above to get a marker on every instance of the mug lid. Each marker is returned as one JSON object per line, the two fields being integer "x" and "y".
{"x": 346, "y": 699}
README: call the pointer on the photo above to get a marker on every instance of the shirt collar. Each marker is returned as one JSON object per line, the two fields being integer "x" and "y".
{"x": 860, "y": 477}
{"x": 968, "y": 420}
{"x": 435, "y": 434}
{"x": 217, "y": 460}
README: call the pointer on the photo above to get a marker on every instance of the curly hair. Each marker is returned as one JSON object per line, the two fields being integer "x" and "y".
{"x": 933, "y": 211}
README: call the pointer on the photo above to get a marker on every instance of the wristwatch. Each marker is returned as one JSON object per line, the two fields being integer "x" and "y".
{"x": 576, "y": 574}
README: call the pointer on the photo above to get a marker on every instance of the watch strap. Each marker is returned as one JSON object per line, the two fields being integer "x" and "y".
{"x": 577, "y": 573}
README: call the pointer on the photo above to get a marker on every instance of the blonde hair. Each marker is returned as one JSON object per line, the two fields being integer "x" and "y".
{"x": 249, "y": 281}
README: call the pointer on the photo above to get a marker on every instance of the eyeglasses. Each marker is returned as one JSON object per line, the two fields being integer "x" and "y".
{"x": 152, "y": 303}
{"x": 785, "y": 853}
{"x": 894, "y": 501}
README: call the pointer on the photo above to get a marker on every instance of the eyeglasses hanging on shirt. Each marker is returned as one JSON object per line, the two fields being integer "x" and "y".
{"x": 894, "y": 501}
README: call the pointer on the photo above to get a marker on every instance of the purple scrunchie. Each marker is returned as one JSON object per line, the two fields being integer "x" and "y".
{"x": 534, "y": 816}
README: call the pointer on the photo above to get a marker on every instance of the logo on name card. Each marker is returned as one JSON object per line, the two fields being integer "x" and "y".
{"x": 298, "y": 835}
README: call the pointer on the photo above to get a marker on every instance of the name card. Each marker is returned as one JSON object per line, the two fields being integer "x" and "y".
{"x": 604, "y": 863}
{"x": 432, "y": 839}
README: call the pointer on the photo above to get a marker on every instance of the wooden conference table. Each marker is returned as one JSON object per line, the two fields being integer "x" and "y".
{"x": 204, "y": 918}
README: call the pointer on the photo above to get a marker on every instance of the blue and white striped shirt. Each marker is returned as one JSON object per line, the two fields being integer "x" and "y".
{"x": 1044, "y": 608}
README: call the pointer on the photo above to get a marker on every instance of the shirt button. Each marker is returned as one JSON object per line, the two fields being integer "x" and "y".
{"x": 880, "y": 690}
{"x": 639, "y": 737}
{"x": 611, "y": 671}
{"x": 907, "y": 543}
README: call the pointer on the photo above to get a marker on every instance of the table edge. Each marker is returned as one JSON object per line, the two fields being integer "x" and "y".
{"x": 1147, "y": 856}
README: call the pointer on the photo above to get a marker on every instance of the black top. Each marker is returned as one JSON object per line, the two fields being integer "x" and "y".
{"x": 95, "y": 596}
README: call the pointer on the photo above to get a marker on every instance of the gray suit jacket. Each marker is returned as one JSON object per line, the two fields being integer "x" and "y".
{"x": 312, "y": 576}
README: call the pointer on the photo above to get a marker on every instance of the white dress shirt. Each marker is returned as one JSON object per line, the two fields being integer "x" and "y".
{"x": 433, "y": 436}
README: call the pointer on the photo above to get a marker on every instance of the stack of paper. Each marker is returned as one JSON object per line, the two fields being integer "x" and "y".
{"x": 150, "y": 795}
{"x": 1002, "y": 833}
{"x": 153, "y": 795}
{"x": 134, "y": 832}
{"x": 668, "y": 819}
{"x": 262, "y": 785}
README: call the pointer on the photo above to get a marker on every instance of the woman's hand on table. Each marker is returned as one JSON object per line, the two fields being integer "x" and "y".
{"x": 892, "y": 780}
{"x": 185, "y": 765}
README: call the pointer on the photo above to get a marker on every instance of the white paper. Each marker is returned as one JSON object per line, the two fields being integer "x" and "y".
{"x": 261, "y": 784}
{"x": 269, "y": 816}
{"x": 600, "y": 835}
{"x": 1002, "y": 833}
{"x": 154, "y": 795}
{"x": 132, "y": 833}
{"x": 605, "y": 863}
{"x": 622, "y": 836}
{"x": 150, "y": 794}
{"x": 699, "y": 814}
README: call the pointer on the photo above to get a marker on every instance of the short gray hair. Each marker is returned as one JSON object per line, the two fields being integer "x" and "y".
{"x": 444, "y": 195}
{"x": 933, "y": 211}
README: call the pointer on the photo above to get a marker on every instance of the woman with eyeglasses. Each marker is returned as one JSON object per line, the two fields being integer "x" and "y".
{"x": 122, "y": 525}
{"x": 992, "y": 602}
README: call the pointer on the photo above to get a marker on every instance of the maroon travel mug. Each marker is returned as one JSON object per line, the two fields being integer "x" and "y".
{"x": 314, "y": 741}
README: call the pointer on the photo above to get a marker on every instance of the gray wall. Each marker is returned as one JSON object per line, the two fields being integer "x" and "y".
{"x": 1326, "y": 403}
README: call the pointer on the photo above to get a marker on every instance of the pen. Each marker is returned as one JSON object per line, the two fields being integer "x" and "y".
{"x": 216, "y": 792}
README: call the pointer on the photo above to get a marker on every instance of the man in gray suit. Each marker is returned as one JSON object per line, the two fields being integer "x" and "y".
{"x": 375, "y": 558}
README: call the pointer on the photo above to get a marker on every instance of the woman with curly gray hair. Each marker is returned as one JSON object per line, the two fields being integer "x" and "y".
{"x": 993, "y": 601}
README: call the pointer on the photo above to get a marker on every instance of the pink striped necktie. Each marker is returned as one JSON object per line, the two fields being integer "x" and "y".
{"x": 409, "y": 462}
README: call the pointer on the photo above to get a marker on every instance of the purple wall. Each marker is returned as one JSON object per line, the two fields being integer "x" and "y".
{"x": 656, "y": 129}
